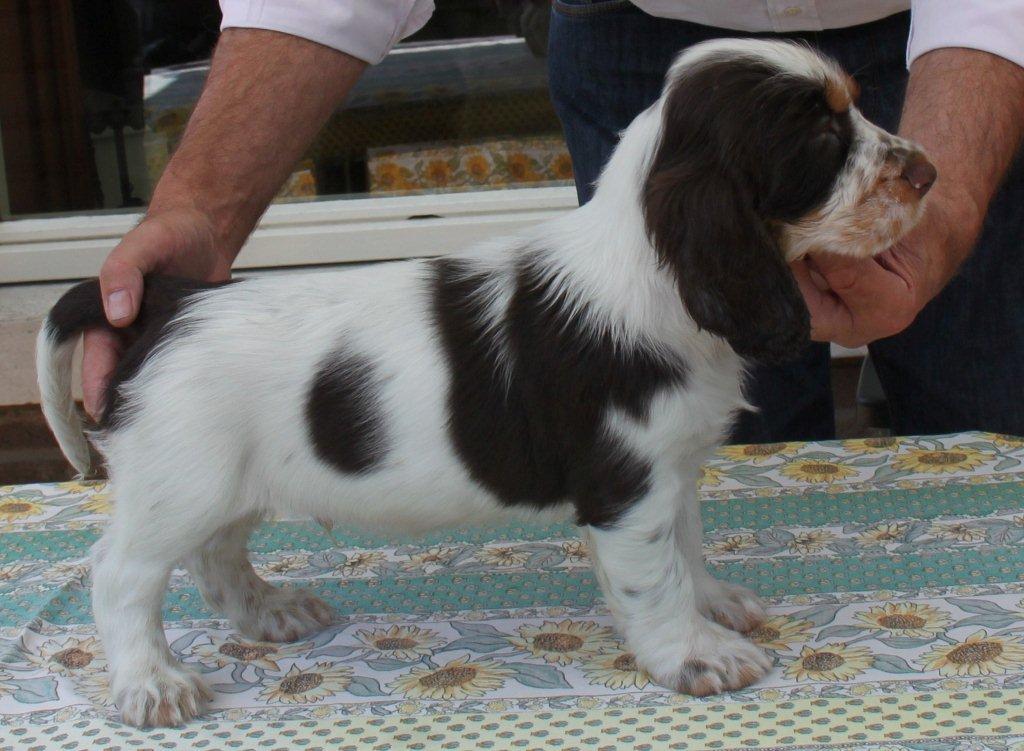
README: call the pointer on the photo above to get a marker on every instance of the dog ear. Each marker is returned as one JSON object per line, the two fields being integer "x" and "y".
{"x": 700, "y": 210}
{"x": 732, "y": 276}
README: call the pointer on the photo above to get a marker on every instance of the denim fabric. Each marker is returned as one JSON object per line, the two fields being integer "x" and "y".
{"x": 958, "y": 367}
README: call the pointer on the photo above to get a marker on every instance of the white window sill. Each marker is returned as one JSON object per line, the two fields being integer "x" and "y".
{"x": 296, "y": 234}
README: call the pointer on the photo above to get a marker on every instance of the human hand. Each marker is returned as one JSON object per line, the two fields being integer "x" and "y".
{"x": 174, "y": 241}
{"x": 854, "y": 301}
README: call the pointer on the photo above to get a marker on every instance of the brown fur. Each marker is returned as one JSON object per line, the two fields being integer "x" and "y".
{"x": 840, "y": 93}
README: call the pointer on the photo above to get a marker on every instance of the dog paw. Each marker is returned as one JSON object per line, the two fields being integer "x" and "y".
{"x": 732, "y": 606}
{"x": 717, "y": 660}
{"x": 165, "y": 696}
{"x": 286, "y": 615}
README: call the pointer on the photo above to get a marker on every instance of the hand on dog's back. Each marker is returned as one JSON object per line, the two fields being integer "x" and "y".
{"x": 178, "y": 242}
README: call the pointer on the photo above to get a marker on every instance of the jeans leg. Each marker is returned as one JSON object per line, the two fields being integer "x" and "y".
{"x": 960, "y": 365}
{"x": 604, "y": 68}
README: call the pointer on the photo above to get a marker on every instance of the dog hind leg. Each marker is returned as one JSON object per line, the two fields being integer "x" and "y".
{"x": 258, "y": 610}
{"x": 131, "y": 566}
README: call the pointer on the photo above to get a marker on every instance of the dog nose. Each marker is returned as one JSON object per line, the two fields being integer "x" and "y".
{"x": 920, "y": 173}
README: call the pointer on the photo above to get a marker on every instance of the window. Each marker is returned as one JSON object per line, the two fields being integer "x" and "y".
{"x": 97, "y": 94}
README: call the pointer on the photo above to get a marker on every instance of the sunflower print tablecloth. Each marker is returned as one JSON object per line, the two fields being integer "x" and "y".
{"x": 893, "y": 570}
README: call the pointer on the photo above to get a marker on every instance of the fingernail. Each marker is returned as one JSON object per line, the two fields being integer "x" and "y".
{"x": 119, "y": 304}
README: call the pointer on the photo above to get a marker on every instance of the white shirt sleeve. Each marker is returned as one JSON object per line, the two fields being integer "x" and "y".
{"x": 366, "y": 29}
{"x": 995, "y": 26}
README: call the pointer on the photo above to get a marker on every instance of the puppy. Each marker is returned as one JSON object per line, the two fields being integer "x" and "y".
{"x": 591, "y": 364}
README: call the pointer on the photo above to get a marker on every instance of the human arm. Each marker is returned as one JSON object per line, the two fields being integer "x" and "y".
{"x": 266, "y": 97}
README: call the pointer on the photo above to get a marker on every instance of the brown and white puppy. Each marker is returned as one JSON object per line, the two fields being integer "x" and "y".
{"x": 589, "y": 365}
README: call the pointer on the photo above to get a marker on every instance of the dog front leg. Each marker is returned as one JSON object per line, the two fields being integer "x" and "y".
{"x": 652, "y": 589}
{"x": 732, "y": 605}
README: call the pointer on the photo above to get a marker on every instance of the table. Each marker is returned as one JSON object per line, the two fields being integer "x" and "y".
{"x": 892, "y": 568}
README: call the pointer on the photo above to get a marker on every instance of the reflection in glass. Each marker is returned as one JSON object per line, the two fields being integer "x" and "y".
{"x": 462, "y": 105}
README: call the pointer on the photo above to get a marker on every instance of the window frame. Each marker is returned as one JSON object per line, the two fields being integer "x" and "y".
{"x": 304, "y": 233}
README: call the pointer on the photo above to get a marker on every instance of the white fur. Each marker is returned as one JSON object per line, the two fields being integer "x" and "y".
{"x": 53, "y": 368}
{"x": 216, "y": 439}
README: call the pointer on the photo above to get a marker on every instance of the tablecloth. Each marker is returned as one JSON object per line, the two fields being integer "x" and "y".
{"x": 892, "y": 568}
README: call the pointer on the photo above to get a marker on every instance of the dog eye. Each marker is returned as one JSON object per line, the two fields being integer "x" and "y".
{"x": 828, "y": 136}
{"x": 829, "y": 124}
{"x": 830, "y": 148}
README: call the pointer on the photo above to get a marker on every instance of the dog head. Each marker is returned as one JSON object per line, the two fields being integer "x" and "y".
{"x": 763, "y": 157}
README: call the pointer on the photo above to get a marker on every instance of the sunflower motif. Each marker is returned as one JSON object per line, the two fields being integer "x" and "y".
{"x": 879, "y": 445}
{"x": 957, "y": 531}
{"x": 438, "y": 172}
{"x": 979, "y": 654}
{"x": 616, "y": 670}
{"x": 12, "y": 571}
{"x": 522, "y": 168}
{"x": 906, "y": 619}
{"x": 84, "y": 486}
{"x": 236, "y": 651}
{"x": 779, "y": 631}
{"x": 732, "y": 544}
{"x": 64, "y": 571}
{"x": 575, "y": 550}
{"x": 308, "y": 685}
{"x": 561, "y": 166}
{"x": 757, "y": 453}
{"x": 392, "y": 176}
{"x": 817, "y": 470}
{"x": 939, "y": 462}
{"x": 401, "y": 642}
{"x": 17, "y": 508}
{"x": 458, "y": 679}
{"x": 810, "y": 542}
{"x": 283, "y": 564}
{"x": 99, "y": 503}
{"x": 564, "y": 641}
{"x": 70, "y": 657}
{"x": 504, "y": 557}
{"x": 832, "y": 662}
{"x": 1004, "y": 440}
{"x": 881, "y": 533}
{"x": 361, "y": 562}
{"x": 438, "y": 555}
{"x": 94, "y": 686}
{"x": 478, "y": 167}
{"x": 710, "y": 477}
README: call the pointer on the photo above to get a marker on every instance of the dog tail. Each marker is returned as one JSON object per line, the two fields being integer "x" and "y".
{"x": 81, "y": 307}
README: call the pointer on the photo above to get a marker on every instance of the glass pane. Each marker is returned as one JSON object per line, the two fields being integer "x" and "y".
{"x": 106, "y": 88}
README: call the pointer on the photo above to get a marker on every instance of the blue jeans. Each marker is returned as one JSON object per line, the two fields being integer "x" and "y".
{"x": 958, "y": 367}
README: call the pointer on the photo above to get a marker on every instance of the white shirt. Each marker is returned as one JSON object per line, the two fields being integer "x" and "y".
{"x": 368, "y": 29}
